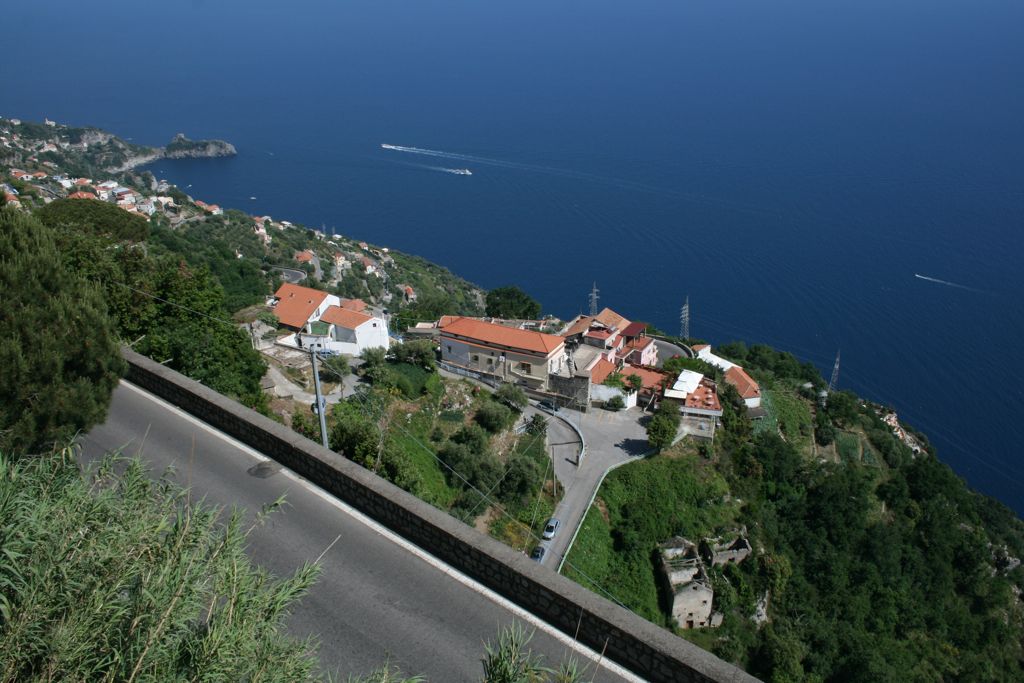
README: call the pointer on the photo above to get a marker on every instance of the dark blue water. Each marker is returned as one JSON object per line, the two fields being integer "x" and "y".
{"x": 788, "y": 165}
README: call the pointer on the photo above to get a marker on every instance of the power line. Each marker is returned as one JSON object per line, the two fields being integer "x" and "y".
{"x": 366, "y": 409}
{"x": 501, "y": 509}
{"x": 684, "y": 319}
{"x": 176, "y": 305}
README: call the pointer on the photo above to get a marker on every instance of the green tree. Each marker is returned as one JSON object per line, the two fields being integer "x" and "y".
{"x": 663, "y": 425}
{"x": 493, "y": 417}
{"x": 192, "y": 333}
{"x": 537, "y": 424}
{"x": 373, "y": 357}
{"x": 635, "y": 382}
{"x": 59, "y": 356}
{"x": 512, "y": 396}
{"x": 354, "y": 435}
{"x": 418, "y": 352}
{"x": 512, "y": 302}
{"x": 334, "y": 368}
{"x": 95, "y": 217}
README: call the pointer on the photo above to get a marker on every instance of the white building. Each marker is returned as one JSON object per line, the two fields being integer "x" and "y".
{"x": 351, "y": 332}
{"x": 704, "y": 353}
{"x": 734, "y": 375}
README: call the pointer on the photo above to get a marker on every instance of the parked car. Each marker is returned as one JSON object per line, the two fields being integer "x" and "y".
{"x": 538, "y": 553}
{"x": 550, "y": 529}
{"x": 547, "y": 406}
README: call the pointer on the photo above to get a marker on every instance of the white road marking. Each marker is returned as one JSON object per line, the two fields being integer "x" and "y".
{"x": 470, "y": 583}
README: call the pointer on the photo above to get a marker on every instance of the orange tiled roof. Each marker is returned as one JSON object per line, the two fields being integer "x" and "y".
{"x": 704, "y": 396}
{"x": 743, "y": 382}
{"x": 343, "y": 317}
{"x": 304, "y": 256}
{"x": 296, "y": 303}
{"x": 634, "y": 329}
{"x": 612, "y": 319}
{"x": 357, "y": 305}
{"x": 579, "y": 327}
{"x": 599, "y": 373}
{"x": 698, "y": 347}
{"x": 490, "y": 334}
{"x": 638, "y": 344}
{"x": 81, "y": 195}
{"x": 653, "y": 379}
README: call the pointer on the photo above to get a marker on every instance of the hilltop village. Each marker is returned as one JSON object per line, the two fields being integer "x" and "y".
{"x": 722, "y": 492}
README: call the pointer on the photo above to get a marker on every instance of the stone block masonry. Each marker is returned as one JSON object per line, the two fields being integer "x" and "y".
{"x": 638, "y": 645}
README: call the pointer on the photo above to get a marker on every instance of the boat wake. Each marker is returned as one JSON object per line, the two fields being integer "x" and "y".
{"x": 455, "y": 171}
{"x": 583, "y": 176}
{"x": 945, "y": 282}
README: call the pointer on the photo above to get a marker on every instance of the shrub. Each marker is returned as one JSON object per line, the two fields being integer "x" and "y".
{"x": 493, "y": 417}
{"x": 615, "y": 403}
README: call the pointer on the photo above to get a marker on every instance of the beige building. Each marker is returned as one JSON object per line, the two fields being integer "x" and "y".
{"x": 521, "y": 356}
{"x": 689, "y": 586}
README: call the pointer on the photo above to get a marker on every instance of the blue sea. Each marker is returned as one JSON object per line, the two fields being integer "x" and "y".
{"x": 822, "y": 175}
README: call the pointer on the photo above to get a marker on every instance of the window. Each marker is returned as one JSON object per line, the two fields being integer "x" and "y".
{"x": 490, "y": 361}
{"x": 475, "y": 358}
{"x": 525, "y": 368}
{"x": 449, "y": 348}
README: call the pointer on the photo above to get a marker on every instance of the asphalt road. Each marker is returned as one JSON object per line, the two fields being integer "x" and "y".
{"x": 378, "y": 599}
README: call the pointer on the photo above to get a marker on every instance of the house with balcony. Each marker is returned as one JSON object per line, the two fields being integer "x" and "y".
{"x": 510, "y": 354}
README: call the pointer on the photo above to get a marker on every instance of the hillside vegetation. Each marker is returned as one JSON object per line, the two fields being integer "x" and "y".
{"x": 881, "y": 568}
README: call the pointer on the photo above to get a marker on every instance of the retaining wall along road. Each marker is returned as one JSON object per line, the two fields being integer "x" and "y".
{"x": 635, "y": 643}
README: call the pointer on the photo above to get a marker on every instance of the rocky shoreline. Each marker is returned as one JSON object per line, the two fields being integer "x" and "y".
{"x": 180, "y": 147}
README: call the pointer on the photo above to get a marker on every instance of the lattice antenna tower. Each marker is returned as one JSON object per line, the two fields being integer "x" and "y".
{"x": 835, "y": 375}
{"x": 684, "y": 319}
{"x": 593, "y": 299}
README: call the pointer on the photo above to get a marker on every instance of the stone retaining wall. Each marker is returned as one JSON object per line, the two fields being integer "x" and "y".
{"x": 636, "y": 644}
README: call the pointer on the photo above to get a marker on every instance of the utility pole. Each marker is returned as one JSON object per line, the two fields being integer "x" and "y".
{"x": 321, "y": 405}
{"x": 684, "y": 319}
{"x": 593, "y": 300}
{"x": 832, "y": 383}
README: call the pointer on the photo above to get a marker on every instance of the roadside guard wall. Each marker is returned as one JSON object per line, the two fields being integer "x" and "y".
{"x": 636, "y": 644}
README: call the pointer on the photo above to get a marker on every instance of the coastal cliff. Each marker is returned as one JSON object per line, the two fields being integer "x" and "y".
{"x": 180, "y": 147}
{"x": 183, "y": 148}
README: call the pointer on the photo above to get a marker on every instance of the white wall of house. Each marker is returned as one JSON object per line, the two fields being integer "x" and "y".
{"x": 329, "y": 300}
{"x": 601, "y": 393}
{"x": 532, "y": 368}
{"x": 711, "y": 359}
{"x": 753, "y": 402}
{"x": 370, "y": 335}
{"x": 691, "y": 605}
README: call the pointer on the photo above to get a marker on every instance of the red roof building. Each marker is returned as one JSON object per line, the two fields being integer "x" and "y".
{"x": 745, "y": 385}
{"x": 512, "y": 354}
{"x": 297, "y": 304}
{"x": 343, "y": 317}
{"x": 357, "y": 305}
